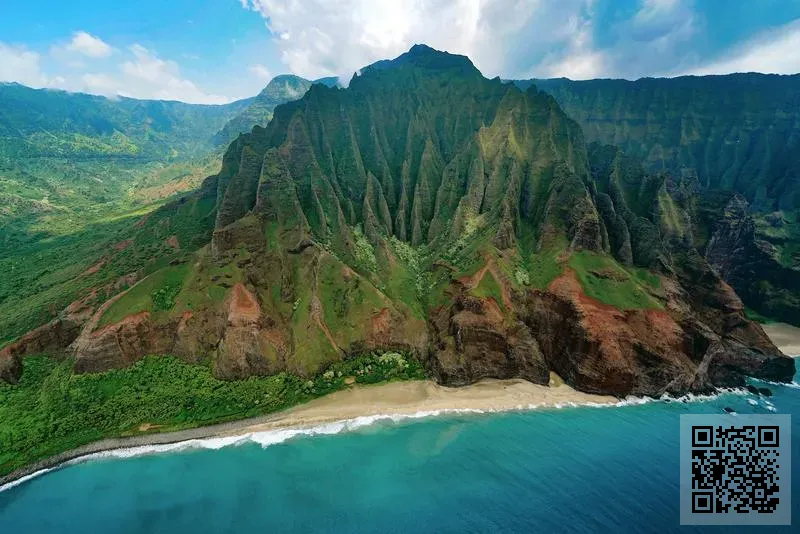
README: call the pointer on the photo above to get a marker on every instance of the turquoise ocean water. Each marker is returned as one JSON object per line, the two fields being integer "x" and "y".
{"x": 583, "y": 469}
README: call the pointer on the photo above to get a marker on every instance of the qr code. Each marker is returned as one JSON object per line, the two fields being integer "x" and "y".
{"x": 738, "y": 467}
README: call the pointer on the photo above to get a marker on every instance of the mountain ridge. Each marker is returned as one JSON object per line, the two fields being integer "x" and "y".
{"x": 428, "y": 209}
{"x": 729, "y": 133}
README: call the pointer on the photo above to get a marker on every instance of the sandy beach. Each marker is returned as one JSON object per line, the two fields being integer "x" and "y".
{"x": 393, "y": 399}
{"x": 403, "y": 398}
{"x": 396, "y": 398}
{"x": 786, "y": 337}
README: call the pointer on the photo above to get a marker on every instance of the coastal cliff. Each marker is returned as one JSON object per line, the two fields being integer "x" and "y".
{"x": 429, "y": 210}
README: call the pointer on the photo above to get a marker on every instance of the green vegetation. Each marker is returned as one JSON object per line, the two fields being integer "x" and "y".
{"x": 43, "y": 122}
{"x": 755, "y": 316}
{"x": 489, "y": 288}
{"x": 545, "y": 266}
{"x": 52, "y": 410}
{"x": 407, "y": 279}
{"x": 280, "y": 89}
{"x": 365, "y": 253}
{"x": 604, "y": 279}
{"x": 155, "y": 293}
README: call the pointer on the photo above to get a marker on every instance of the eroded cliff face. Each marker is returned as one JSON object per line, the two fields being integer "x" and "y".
{"x": 428, "y": 209}
{"x": 733, "y": 139}
{"x": 747, "y": 263}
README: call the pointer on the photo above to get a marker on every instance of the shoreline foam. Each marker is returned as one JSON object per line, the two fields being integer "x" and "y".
{"x": 395, "y": 399}
{"x": 343, "y": 411}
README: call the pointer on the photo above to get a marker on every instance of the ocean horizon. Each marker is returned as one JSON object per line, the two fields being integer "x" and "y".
{"x": 565, "y": 469}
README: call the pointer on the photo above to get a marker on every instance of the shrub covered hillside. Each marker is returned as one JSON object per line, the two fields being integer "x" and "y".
{"x": 429, "y": 210}
{"x": 52, "y": 410}
{"x": 731, "y": 143}
{"x": 77, "y": 172}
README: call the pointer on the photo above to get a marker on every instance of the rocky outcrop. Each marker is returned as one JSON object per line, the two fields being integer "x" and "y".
{"x": 417, "y": 210}
{"x": 51, "y": 338}
{"x": 10, "y": 367}
{"x": 252, "y": 344}
{"x": 748, "y": 264}
{"x": 596, "y": 347}
{"x": 474, "y": 340}
{"x": 121, "y": 344}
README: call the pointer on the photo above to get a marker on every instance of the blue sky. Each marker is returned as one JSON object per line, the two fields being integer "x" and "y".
{"x": 214, "y": 51}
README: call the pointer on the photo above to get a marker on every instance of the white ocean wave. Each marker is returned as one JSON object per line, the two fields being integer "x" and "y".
{"x": 274, "y": 437}
{"x": 790, "y": 385}
{"x": 26, "y": 478}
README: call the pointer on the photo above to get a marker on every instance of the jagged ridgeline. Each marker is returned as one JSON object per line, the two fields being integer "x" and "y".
{"x": 729, "y": 141}
{"x": 416, "y": 148}
{"x": 429, "y": 209}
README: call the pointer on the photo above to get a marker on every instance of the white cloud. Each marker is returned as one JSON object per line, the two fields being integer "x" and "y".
{"x": 261, "y": 72}
{"x": 18, "y": 64}
{"x": 101, "y": 84}
{"x": 510, "y": 38}
{"x": 145, "y": 75}
{"x": 580, "y": 60}
{"x": 88, "y": 45}
{"x": 142, "y": 74}
{"x": 774, "y": 51}
{"x": 337, "y": 37}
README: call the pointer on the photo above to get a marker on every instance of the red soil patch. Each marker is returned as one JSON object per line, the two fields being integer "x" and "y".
{"x": 348, "y": 273}
{"x": 471, "y": 282}
{"x": 81, "y": 304}
{"x": 122, "y": 245}
{"x": 94, "y": 268}
{"x": 500, "y": 279}
{"x": 317, "y": 317}
{"x": 184, "y": 319}
{"x": 172, "y": 241}
{"x": 381, "y": 323}
{"x": 243, "y": 307}
{"x": 134, "y": 319}
{"x": 617, "y": 331}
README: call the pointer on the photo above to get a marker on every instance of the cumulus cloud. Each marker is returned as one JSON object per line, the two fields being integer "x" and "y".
{"x": 337, "y": 37}
{"x": 18, "y": 64}
{"x": 141, "y": 74}
{"x": 146, "y": 75}
{"x": 100, "y": 84}
{"x": 579, "y": 59}
{"x": 261, "y": 72}
{"x": 88, "y": 45}
{"x": 774, "y": 51}
{"x": 509, "y": 38}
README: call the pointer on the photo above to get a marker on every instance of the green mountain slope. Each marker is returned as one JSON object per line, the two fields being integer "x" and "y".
{"x": 427, "y": 209}
{"x": 49, "y": 123}
{"x": 279, "y": 90}
{"x": 714, "y": 134}
{"x": 66, "y": 158}
{"x": 74, "y": 165}
{"x": 736, "y": 132}
{"x": 424, "y": 215}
